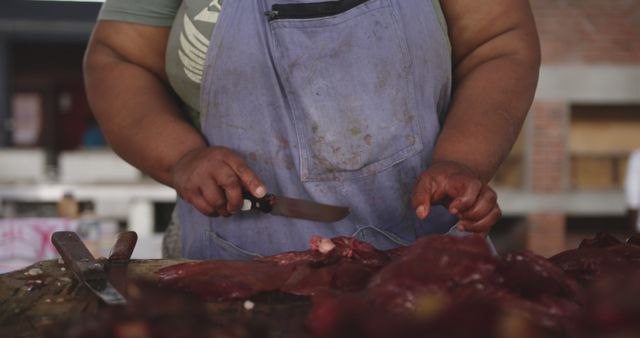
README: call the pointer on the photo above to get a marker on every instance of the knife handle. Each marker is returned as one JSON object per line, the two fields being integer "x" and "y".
{"x": 251, "y": 202}
{"x": 76, "y": 255}
{"x": 122, "y": 250}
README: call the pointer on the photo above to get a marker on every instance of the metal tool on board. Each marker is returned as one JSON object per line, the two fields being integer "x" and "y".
{"x": 92, "y": 272}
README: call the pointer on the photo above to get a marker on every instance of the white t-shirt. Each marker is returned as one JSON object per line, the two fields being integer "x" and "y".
{"x": 632, "y": 180}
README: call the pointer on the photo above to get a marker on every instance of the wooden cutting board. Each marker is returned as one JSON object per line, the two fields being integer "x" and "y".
{"x": 44, "y": 294}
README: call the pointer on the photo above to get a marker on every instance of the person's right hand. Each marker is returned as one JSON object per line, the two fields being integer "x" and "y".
{"x": 212, "y": 180}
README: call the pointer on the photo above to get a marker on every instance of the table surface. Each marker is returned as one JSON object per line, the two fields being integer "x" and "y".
{"x": 45, "y": 294}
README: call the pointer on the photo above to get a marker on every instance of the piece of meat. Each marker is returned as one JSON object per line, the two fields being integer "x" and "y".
{"x": 347, "y": 267}
{"x": 430, "y": 287}
{"x": 454, "y": 280}
{"x": 222, "y": 280}
{"x": 341, "y": 248}
{"x": 153, "y": 312}
{"x": 601, "y": 240}
{"x": 601, "y": 256}
{"x": 344, "y": 276}
{"x": 293, "y": 257}
{"x": 531, "y": 276}
{"x": 350, "y": 248}
{"x": 358, "y": 315}
{"x": 612, "y": 309}
{"x": 435, "y": 263}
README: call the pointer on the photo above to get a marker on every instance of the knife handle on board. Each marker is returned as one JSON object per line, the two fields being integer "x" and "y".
{"x": 76, "y": 255}
{"x": 122, "y": 250}
{"x": 251, "y": 202}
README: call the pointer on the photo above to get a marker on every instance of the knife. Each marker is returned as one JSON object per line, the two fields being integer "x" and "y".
{"x": 87, "y": 269}
{"x": 296, "y": 208}
{"x": 119, "y": 259}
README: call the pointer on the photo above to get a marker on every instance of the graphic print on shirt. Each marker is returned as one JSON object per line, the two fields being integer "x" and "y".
{"x": 194, "y": 43}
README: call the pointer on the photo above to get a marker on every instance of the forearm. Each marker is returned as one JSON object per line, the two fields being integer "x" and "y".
{"x": 137, "y": 114}
{"x": 496, "y": 58}
{"x": 488, "y": 108}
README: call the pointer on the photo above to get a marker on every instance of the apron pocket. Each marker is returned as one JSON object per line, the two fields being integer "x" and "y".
{"x": 348, "y": 81}
{"x": 221, "y": 248}
{"x": 311, "y": 9}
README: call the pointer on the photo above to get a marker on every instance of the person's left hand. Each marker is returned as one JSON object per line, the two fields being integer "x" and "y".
{"x": 460, "y": 190}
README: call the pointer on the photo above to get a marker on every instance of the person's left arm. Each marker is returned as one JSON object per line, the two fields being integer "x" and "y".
{"x": 496, "y": 58}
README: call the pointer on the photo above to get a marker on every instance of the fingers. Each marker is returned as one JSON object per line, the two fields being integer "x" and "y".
{"x": 212, "y": 179}
{"x": 461, "y": 191}
{"x": 200, "y": 203}
{"x": 483, "y": 214}
{"x": 238, "y": 178}
{"x": 230, "y": 189}
{"x": 464, "y": 192}
{"x": 249, "y": 179}
{"x": 485, "y": 201}
{"x": 214, "y": 197}
{"x": 421, "y": 197}
{"x": 484, "y": 224}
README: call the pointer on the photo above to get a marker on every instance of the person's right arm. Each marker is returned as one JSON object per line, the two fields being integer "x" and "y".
{"x": 128, "y": 92}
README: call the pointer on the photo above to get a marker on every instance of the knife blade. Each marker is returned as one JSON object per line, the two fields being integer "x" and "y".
{"x": 87, "y": 269}
{"x": 295, "y": 208}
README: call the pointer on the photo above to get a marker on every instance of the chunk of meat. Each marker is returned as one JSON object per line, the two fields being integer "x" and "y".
{"x": 601, "y": 240}
{"x": 221, "y": 280}
{"x": 344, "y": 275}
{"x": 613, "y": 308}
{"x": 599, "y": 257}
{"x": 441, "y": 277}
{"x": 531, "y": 276}
{"x": 437, "y": 263}
{"x": 341, "y": 248}
{"x": 347, "y": 267}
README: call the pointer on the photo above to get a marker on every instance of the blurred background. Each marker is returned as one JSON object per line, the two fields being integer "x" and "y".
{"x": 563, "y": 181}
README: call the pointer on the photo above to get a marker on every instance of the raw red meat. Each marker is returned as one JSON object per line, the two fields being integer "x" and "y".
{"x": 344, "y": 275}
{"x": 436, "y": 263}
{"x": 345, "y": 248}
{"x": 531, "y": 276}
{"x": 219, "y": 280}
{"x": 612, "y": 310}
{"x": 347, "y": 267}
{"x": 599, "y": 257}
{"x": 441, "y": 286}
{"x": 442, "y": 275}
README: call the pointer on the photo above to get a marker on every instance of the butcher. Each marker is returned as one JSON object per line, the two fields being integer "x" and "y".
{"x": 402, "y": 110}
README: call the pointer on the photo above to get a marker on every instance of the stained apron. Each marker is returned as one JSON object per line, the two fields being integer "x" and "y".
{"x": 341, "y": 108}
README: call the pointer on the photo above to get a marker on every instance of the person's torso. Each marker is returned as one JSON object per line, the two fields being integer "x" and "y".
{"x": 188, "y": 43}
{"x": 342, "y": 108}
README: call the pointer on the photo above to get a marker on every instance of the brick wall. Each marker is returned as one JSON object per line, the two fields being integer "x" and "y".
{"x": 571, "y": 32}
{"x": 548, "y": 147}
{"x": 588, "y": 31}
{"x": 547, "y": 233}
{"x": 548, "y": 175}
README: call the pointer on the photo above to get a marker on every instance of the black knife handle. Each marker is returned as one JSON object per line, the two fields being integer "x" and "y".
{"x": 76, "y": 256}
{"x": 263, "y": 204}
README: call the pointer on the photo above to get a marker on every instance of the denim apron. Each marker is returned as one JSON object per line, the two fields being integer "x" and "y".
{"x": 341, "y": 108}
